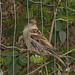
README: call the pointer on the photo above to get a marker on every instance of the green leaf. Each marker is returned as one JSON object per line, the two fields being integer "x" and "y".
{"x": 10, "y": 69}
{"x": 53, "y": 36}
{"x": 62, "y": 36}
{"x": 47, "y": 16}
{"x": 33, "y": 59}
{"x": 22, "y": 61}
{"x": 16, "y": 67}
{"x": 38, "y": 60}
{"x": 10, "y": 53}
{"x": 58, "y": 25}
{"x": 10, "y": 43}
{"x": 1, "y": 59}
{"x": 7, "y": 60}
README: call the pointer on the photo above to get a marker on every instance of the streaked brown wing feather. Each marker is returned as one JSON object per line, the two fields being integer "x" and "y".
{"x": 40, "y": 37}
{"x": 39, "y": 34}
{"x": 42, "y": 40}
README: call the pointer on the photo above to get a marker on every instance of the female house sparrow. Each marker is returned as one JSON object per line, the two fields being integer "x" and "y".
{"x": 37, "y": 42}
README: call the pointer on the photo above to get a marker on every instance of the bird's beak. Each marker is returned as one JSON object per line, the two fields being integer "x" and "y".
{"x": 57, "y": 57}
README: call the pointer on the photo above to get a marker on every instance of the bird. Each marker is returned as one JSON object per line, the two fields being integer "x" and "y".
{"x": 37, "y": 42}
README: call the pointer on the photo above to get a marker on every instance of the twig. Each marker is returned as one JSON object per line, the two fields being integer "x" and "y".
{"x": 40, "y": 67}
{"x": 55, "y": 71}
{"x": 67, "y": 52}
{"x": 46, "y": 68}
{"x": 69, "y": 57}
{"x": 50, "y": 34}
{"x": 61, "y": 19}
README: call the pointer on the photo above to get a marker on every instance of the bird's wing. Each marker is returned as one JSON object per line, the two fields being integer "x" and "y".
{"x": 39, "y": 37}
{"x": 36, "y": 35}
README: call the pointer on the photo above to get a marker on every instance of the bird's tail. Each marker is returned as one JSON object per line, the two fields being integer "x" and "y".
{"x": 57, "y": 57}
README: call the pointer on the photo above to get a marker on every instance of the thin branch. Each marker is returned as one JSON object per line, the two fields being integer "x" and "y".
{"x": 50, "y": 34}
{"x": 67, "y": 52}
{"x": 39, "y": 67}
{"x": 46, "y": 68}
{"x": 69, "y": 57}
{"x": 60, "y": 19}
{"x": 40, "y": 3}
{"x": 54, "y": 71}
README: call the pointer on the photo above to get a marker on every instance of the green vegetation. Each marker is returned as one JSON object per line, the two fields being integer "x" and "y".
{"x": 20, "y": 59}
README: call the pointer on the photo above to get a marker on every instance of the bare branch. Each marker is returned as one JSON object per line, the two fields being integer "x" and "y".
{"x": 50, "y": 34}
{"x": 67, "y": 52}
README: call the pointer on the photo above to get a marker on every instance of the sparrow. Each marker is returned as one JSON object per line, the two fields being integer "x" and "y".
{"x": 37, "y": 42}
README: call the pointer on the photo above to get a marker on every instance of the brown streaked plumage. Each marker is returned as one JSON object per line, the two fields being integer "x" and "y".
{"x": 38, "y": 42}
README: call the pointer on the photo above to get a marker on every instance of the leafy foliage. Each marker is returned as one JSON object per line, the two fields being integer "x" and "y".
{"x": 7, "y": 60}
{"x": 22, "y": 60}
{"x": 35, "y": 60}
{"x": 62, "y": 35}
{"x": 35, "y": 12}
{"x": 58, "y": 25}
{"x": 1, "y": 60}
{"x": 16, "y": 67}
{"x": 10, "y": 53}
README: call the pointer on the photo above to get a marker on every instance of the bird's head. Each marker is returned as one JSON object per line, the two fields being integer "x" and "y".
{"x": 32, "y": 24}
{"x": 33, "y": 21}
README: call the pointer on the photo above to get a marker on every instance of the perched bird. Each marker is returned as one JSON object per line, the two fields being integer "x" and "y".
{"x": 37, "y": 42}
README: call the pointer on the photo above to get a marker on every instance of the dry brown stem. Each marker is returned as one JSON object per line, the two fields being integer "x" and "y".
{"x": 39, "y": 67}
{"x": 67, "y": 52}
{"x": 46, "y": 68}
{"x": 55, "y": 12}
{"x": 60, "y": 19}
{"x": 54, "y": 71}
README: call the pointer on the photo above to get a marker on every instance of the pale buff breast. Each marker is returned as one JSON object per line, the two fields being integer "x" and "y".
{"x": 26, "y": 34}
